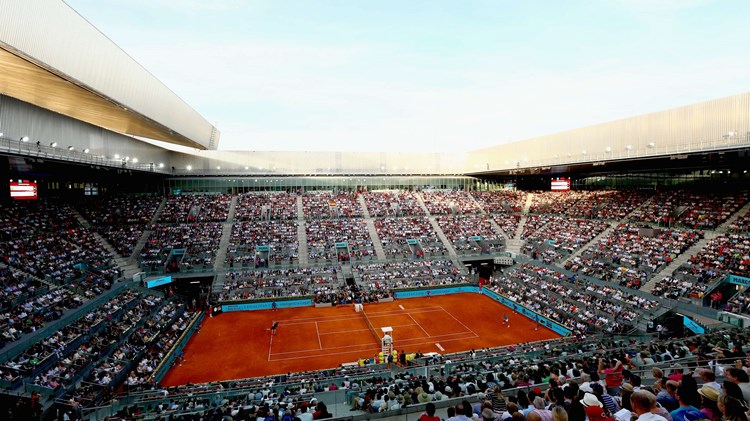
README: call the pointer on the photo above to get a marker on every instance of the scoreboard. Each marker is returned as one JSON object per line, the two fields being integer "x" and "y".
{"x": 560, "y": 184}
{"x": 23, "y": 190}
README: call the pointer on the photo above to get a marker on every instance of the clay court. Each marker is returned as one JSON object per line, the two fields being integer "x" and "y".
{"x": 238, "y": 345}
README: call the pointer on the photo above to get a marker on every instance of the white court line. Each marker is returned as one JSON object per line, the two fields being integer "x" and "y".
{"x": 446, "y": 335}
{"x": 371, "y": 315}
{"x": 317, "y": 352}
{"x": 436, "y": 338}
{"x": 318, "y": 332}
{"x": 417, "y": 323}
{"x": 460, "y": 322}
{"x": 338, "y": 332}
{"x": 364, "y": 351}
{"x": 440, "y": 347}
{"x": 270, "y": 345}
{"x": 359, "y": 330}
{"x": 343, "y": 331}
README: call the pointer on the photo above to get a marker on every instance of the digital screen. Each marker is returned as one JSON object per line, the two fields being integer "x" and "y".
{"x": 90, "y": 190}
{"x": 23, "y": 189}
{"x": 560, "y": 184}
{"x": 158, "y": 281}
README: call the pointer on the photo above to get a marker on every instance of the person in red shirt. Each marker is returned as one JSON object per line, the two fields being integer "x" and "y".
{"x": 429, "y": 414}
{"x": 613, "y": 375}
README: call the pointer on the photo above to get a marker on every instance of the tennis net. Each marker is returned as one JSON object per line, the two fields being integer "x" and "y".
{"x": 372, "y": 329}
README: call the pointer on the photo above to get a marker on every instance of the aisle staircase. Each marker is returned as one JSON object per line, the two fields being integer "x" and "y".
{"x": 302, "y": 254}
{"x": 363, "y": 204}
{"x": 421, "y": 203}
{"x": 593, "y": 241}
{"x": 226, "y": 235}
{"x": 679, "y": 260}
{"x": 159, "y": 210}
{"x": 300, "y": 209}
{"x": 127, "y": 265}
{"x": 734, "y": 217}
{"x": 379, "y": 250}
{"x": 443, "y": 238}
{"x": 515, "y": 244}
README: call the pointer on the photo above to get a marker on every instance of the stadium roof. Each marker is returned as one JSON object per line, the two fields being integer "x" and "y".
{"x": 53, "y": 58}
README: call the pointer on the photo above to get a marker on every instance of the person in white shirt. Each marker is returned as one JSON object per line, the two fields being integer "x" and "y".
{"x": 643, "y": 403}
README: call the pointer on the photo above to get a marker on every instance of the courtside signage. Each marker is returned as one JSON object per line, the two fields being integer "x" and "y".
{"x": 266, "y": 305}
{"x": 158, "y": 281}
{"x": 549, "y": 324}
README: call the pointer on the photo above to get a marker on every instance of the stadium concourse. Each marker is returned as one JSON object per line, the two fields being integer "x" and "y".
{"x": 631, "y": 280}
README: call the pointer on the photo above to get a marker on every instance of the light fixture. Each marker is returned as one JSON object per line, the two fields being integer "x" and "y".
{"x": 70, "y": 148}
{"x": 584, "y": 152}
{"x": 117, "y": 156}
{"x": 23, "y": 139}
{"x": 218, "y": 167}
{"x": 189, "y": 167}
{"x": 127, "y": 158}
{"x": 135, "y": 160}
{"x": 247, "y": 168}
{"x": 161, "y": 165}
{"x": 608, "y": 149}
{"x": 629, "y": 147}
{"x": 53, "y": 144}
{"x": 651, "y": 145}
{"x": 1, "y": 134}
{"x": 86, "y": 150}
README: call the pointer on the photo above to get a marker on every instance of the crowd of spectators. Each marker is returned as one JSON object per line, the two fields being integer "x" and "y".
{"x": 449, "y": 202}
{"x": 604, "y": 307}
{"x": 33, "y": 217}
{"x": 394, "y": 234}
{"x": 280, "y": 236}
{"x": 628, "y": 256}
{"x": 63, "y": 348}
{"x": 462, "y": 231}
{"x": 396, "y": 275}
{"x": 35, "y": 312}
{"x": 16, "y": 285}
{"x": 726, "y": 253}
{"x": 607, "y": 204}
{"x": 349, "y": 294}
{"x": 555, "y": 202}
{"x": 563, "y": 234}
{"x": 508, "y": 222}
{"x": 119, "y": 210}
{"x": 199, "y": 240}
{"x": 631, "y": 255}
{"x": 566, "y": 379}
{"x": 269, "y": 283}
{"x": 121, "y": 220}
{"x": 141, "y": 340}
{"x": 192, "y": 208}
{"x": 266, "y": 206}
{"x": 44, "y": 256}
{"x": 692, "y": 209}
{"x": 501, "y": 201}
{"x": 392, "y": 203}
{"x": 740, "y": 303}
{"x": 741, "y": 224}
{"x": 323, "y": 234}
{"x": 323, "y": 205}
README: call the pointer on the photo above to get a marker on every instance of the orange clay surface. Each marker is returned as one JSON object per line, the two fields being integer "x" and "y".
{"x": 239, "y": 344}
